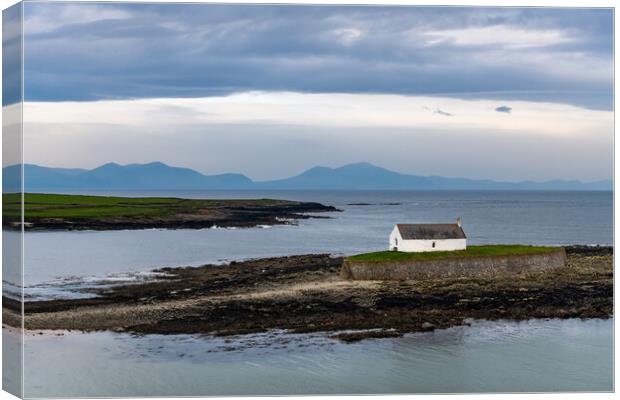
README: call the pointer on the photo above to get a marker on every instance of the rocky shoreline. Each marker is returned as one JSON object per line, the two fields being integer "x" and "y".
{"x": 222, "y": 216}
{"x": 305, "y": 294}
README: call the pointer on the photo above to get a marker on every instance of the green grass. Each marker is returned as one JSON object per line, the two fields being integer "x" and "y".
{"x": 471, "y": 251}
{"x": 39, "y": 205}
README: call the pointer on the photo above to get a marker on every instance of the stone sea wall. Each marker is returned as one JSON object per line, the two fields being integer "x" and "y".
{"x": 452, "y": 267}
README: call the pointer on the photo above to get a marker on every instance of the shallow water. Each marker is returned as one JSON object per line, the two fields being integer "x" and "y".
{"x": 58, "y": 263}
{"x": 530, "y": 356}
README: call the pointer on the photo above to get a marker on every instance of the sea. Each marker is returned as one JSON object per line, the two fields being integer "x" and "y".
{"x": 500, "y": 356}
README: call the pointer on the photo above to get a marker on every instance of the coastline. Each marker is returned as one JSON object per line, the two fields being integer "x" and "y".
{"x": 305, "y": 294}
{"x": 60, "y": 212}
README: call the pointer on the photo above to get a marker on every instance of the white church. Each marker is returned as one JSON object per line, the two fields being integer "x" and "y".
{"x": 413, "y": 238}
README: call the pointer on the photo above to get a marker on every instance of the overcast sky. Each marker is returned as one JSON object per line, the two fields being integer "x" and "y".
{"x": 268, "y": 91}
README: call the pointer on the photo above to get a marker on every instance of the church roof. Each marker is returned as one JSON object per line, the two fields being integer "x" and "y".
{"x": 430, "y": 231}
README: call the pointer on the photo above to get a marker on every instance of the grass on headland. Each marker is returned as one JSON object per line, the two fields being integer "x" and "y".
{"x": 471, "y": 251}
{"x": 78, "y": 206}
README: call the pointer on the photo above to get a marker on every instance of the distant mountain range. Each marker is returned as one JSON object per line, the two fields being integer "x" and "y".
{"x": 358, "y": 176}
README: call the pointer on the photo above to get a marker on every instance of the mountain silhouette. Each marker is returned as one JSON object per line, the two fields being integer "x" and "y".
{"x": 357, "y": 176}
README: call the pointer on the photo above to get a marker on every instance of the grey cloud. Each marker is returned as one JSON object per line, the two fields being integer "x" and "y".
{"x": 504, "y": 109}
{"x": 193, "y": 50}
{"x": 438, "y": 111}
{"x": 441, "y": 112}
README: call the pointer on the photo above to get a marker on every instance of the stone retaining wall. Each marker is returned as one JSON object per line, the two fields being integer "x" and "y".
{"x": 452, "y": 267}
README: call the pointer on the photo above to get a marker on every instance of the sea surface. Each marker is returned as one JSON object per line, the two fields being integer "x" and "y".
{"x": 529, "y": 356}
{"x": 504, "y": 356}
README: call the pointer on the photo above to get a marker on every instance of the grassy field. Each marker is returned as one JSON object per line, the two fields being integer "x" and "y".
{"x": 471, "y": 251}
{"x": 86, "y": 207}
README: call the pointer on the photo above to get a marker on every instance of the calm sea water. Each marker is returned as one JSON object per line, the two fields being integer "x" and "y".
{"x": 540, "y": 355}
{"x": 531, "y": 356}
{"x": 57, "y": 262}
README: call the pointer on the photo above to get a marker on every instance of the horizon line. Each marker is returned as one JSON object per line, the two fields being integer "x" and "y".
{"x": 85, "y": 169}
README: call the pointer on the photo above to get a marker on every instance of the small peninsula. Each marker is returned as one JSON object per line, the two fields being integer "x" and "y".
{"x": 78, "y": 212}
{"x": 305, "y": 293}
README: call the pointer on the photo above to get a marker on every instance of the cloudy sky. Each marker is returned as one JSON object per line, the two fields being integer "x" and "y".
{"x": 268, "y": 91}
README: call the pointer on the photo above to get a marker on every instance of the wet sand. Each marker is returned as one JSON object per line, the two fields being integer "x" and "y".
{"x": 305, "y": 294}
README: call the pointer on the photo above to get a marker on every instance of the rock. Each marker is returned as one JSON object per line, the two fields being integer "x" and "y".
{"x": 427, "y": 326}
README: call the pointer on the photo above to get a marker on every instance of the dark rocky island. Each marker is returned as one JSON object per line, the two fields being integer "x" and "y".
{"x": 76, "y": 212}
{"x": 306, "y": 294}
